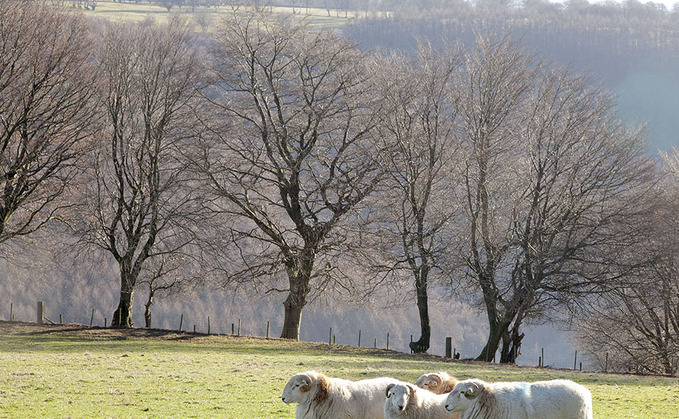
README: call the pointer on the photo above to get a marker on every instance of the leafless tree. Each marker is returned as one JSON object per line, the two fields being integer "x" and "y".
{"x": 551, "y": 178}
{"x": 637, "y": 323}
{"x": 297, "y": 157}
{"x": 46, "y": 86}
{"x": 418, "y": 129}
{"x": 141, "y": 202}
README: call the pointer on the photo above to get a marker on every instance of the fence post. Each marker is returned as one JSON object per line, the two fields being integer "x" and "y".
{"x": 359, "y": 338}
{"x": 238, "y": 327}
{"x": 105, "y": 322}
{"x": 449, "y": 347}
{"x": 267, "y": 329}
{"x": 543, "y": 357}
{"x": 539, "y": 361}
{"x": 61, "y": 319}
{"x": 375, "y": 344}
{"x": 330, "y": 337}
{"x": 575, "y": 361}
{"x": 194, "y": 328}
{"x": 581, "y": 367}
{"x": 181, "y": 321}
{"x": 11, "y": 312}
{"x": 233, "y": 333}
{"x": 606, "y": 364}
{"x": 40, "y": 312}
{"x": 208, "y": 325}
{"x": 387, "y": 341}
{"x": 92, "y": 318}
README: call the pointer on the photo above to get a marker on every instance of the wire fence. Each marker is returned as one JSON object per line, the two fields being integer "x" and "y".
{"x": 552, "y": 355}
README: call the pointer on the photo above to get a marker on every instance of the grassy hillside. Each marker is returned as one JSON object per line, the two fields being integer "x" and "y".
{"x": 206, "y": 16}
{"x": 72, "y": 371}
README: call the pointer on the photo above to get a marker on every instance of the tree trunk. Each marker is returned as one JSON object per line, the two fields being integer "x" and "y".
{"x": 122, "y": 317}
{"x": 147, "y": 310}
{"x": 299, "y": 276}
{"x": 511, "y": 343}
{"x": 496, "y": 330}
{"x": 422, "y": 344}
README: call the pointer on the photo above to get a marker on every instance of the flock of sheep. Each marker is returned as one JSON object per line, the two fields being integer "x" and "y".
{"x": 435, "y": 395}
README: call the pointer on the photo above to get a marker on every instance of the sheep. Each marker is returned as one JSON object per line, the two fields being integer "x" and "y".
{"x": 407, "y": 401}
{"x": 555, "y": 399}
{"x": 322, "y": 397}
{"x": 437, "y": 382}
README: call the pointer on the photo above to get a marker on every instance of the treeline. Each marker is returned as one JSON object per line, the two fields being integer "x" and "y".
{"x": 285, "y": 160}
{"x": 607, "y": 38}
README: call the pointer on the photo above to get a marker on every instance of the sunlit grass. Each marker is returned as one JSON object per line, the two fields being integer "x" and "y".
{"x": 84, "y": 373}
{"x": 136, "y": 12}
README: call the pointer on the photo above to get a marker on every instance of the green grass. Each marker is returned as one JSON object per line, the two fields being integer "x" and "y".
{"x": 76, "y": 372}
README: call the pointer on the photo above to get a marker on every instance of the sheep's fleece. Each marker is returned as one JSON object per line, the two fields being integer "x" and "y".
{"x": 322, "y": 397}
{"x": 556, "y": 399}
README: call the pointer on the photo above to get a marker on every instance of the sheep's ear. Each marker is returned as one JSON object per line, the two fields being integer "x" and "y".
{"x": 472, "y": 392}
{"x": 388, "y": 392}
{"x": 306, "y": 384}
{"x": 412, "y": 390}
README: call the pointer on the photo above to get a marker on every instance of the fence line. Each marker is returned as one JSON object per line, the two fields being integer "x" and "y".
{"x": 451, "y": 352}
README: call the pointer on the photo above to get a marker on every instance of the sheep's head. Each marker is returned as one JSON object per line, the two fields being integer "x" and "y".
{"x": 398, "y": 396}
{"x": 437, "y": 382}
{"x": 464, "y": 395}
{"x": 297, "y": 387}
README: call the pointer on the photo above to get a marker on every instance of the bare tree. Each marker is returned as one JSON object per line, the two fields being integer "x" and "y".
{"x": 141, "y": 199}
{"x": 418, "y": 129}
{"x": 46, "y": 86}
{"x": 298, "y": 155}
{"x": 637, "y": 322}
{"x": 548, "y": 194}
{"x": 493, "y": 84}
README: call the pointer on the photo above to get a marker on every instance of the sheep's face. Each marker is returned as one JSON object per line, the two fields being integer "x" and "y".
{"x": 398, "y": 396}
{"x": 462, "y": 397}
{"x": 296, "y": 388}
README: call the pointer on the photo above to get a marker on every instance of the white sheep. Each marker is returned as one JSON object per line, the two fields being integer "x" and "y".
{"x": 407, "y": 401}
{"x": 437, "y": 382}
{"x": 556, "y": 399}
{"x": 323, "y": 397}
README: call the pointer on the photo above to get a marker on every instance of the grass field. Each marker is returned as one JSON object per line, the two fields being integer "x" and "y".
{"x": 78, "y": 372}
{"x": 136, "y": 12}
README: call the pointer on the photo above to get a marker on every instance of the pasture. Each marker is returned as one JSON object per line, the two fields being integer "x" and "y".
{"x": 205, "y": 17}
{"x": 78, "y": 372}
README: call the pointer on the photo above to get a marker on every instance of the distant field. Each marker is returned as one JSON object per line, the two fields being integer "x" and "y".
{"x": 205, "y": 16}
{"x": 74, "y": 371}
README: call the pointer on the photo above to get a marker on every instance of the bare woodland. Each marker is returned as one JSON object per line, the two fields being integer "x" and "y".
{"x": 283, "y": 158}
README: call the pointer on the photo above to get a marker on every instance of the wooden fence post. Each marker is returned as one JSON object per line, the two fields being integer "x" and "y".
{"x": 267, "y": 329}
{"x": 208, "y": 325}
{"x": 543, "y": 357}
{"x": 449, "y": 347}
{"x": 330, "y": 337}
{"x": 359, "y": 338}
{"x": 575, "y": 360}
{"x": 606, "y": 364}
{"x": 11, "y": 312}
{"x": 387, "y": 341}
{"x": 92, "y": 318}
{"x": 40, "y": 312}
